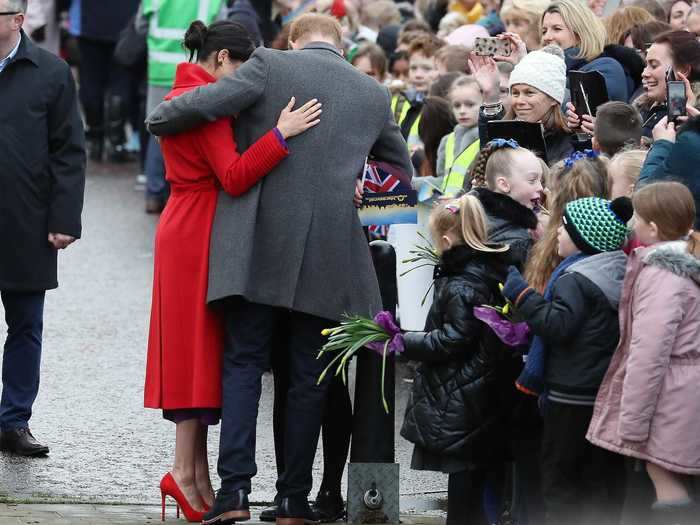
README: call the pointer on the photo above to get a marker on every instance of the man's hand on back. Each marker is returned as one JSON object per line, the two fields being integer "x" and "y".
{"x": 60, "y": 241}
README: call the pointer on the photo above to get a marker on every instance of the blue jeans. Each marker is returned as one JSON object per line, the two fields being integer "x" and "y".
{"x": 156, "y": 185}
{"x": 21, "y": 362}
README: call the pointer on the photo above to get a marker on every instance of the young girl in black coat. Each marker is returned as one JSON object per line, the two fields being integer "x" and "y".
{"x": 454, "y": 416}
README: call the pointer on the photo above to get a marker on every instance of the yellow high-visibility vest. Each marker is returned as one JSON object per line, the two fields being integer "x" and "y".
{"x": 456, "y": 167}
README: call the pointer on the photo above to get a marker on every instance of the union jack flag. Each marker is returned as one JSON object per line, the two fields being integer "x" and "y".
{"x": 380, "y": 177}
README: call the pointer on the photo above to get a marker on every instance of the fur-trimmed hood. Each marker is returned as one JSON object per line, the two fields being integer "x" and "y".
{"x": 674, "y": 257}
{"x": 499, "y": 206}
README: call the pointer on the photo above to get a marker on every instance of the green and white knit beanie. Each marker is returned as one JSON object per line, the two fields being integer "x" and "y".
{"x": 598, "y": 225}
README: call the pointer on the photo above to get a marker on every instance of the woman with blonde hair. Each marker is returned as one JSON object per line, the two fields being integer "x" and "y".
{"x": 571, "y": 25}
{"x": 522, "y": 17}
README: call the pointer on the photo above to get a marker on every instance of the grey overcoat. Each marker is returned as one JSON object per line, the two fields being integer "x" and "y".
{"x": 295, "y": 240}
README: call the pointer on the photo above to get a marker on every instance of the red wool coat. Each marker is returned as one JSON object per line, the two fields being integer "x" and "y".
{"x": 185, "y": 342}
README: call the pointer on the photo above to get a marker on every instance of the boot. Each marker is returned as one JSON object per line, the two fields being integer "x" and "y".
{"x": 115, "y": 112}
{"x": 675, "y": 513}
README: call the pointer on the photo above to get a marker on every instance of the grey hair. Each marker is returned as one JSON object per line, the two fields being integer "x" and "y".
{"x": 17, "y": 5}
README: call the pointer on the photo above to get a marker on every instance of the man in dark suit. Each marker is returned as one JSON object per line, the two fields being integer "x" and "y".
{"x": 42, "y": 176}
{"x": 291, "y": 250}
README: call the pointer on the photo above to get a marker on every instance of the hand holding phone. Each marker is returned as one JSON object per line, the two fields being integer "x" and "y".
{"x": 676, "y": 100}
{"x": 492, "y": 46}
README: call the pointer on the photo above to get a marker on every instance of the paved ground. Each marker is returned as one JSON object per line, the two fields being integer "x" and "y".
{"x": 58, "y": 514}
{"x": 106, "y": 448}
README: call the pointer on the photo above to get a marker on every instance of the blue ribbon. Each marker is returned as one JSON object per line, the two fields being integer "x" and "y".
{"x": 578, "y": 155}
{"x": 503, "y": 143}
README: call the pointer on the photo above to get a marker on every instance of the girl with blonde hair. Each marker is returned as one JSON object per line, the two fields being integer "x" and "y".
{"x": 455, "y": 413}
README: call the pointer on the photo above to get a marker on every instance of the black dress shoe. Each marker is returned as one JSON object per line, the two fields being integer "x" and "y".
{"x": 269, "y": 514}
{"x": 21, "y": 441}
{"x": 229, "y": 507}
{"x": 295, "y": 511}
{"x": 329, "y": 506}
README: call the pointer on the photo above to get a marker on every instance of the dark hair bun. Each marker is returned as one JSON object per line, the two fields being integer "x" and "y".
{"x": 622, "y": 207}
{"x": 195, "y": 36}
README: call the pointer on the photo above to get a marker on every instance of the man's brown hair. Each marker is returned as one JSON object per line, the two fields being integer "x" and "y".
{"x": 617, "y": 125}
{"x": 316, "y": 24}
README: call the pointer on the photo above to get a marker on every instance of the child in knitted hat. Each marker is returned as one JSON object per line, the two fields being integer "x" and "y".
{"x": 577, "y": 331}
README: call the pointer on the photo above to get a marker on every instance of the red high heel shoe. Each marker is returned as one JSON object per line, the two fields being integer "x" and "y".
{"x": 168, "y": 487}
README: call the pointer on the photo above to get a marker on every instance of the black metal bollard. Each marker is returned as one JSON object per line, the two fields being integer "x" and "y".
{"x": 373, "y": 428}
{"x": 373, "y": 477}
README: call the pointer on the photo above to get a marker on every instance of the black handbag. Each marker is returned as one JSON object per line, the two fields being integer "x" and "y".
{"x": 131, "y": 50}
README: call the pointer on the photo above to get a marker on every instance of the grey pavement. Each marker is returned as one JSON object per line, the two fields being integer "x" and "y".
{"x": 105, "y": 447}
{"x": 91, "y": 514}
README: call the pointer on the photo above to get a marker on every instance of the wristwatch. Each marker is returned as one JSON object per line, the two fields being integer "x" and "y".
{"x": 491, "y": 110}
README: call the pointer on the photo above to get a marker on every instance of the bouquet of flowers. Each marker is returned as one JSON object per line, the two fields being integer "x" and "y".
{"x": 423, "y": 255}
{"x": 500, "y": 320}
{"x": 380, "y": 334}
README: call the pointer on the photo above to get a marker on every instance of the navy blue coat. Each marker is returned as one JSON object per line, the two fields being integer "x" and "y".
{"x": 100, "y": 19}
{"x": 621, "y": 70}
{"x": 677, "y": 162}
{"x": 42, "y": 166}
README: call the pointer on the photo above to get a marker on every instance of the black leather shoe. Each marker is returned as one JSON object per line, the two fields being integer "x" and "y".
{"x": 295, "y": 511}
{"x": 22, "y": 442}
{"x": 329, "y": 507}
{"x": 269, "y": 514}
{"x": 229, "y": 507}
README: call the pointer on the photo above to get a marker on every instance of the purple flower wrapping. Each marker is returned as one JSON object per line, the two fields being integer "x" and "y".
{"x": 386, "y": 321}
{"x": 512, "y": 334}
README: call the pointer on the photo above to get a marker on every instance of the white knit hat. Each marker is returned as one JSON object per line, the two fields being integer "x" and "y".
{"x": 543, "y": 69}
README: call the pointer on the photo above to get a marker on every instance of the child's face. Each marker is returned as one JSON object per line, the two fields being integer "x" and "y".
{"x": 524, "y": 183}
{"x": 399, "y": 70}
{"x": 364, "y": 64}
{"x": 566, "y": 246}
{"x": 465, "y": 105}
{"x": 645, "y": 232}
{"x": 421, "y": 71}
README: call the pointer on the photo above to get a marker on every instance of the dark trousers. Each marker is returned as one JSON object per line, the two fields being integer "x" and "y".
{"x": 24, "y": 313}
{"x": 249, "y": 339}
{"x": 465, "y": 504}
{"x": 101, "y": 75}
{"x": 336, "y": 425}
{"x": 582, "y": 484}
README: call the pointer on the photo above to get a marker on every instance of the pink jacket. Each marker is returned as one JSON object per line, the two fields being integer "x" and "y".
{"x": 648, "y": 405}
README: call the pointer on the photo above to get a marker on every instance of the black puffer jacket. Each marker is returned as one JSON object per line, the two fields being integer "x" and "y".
{"x": 454, "y": 407}
{"x": 509, "y": 223}
{"x": 579, "y": 326}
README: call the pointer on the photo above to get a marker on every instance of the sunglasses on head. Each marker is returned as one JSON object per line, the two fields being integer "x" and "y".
{"x": 7, "y": 13}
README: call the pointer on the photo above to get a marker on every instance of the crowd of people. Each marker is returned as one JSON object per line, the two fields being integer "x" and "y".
{"x": 268, "y": 115}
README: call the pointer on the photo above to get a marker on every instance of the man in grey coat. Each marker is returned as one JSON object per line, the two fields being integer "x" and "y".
{"x": 292, "y": 249}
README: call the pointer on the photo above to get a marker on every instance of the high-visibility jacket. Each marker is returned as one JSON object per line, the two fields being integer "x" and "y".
{"x": 456, "y": 166}
{"x": 400, "y": 108}
{"x": 169, "y": 19}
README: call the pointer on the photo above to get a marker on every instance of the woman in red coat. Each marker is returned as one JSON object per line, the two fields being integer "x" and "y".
{"x": 185, "y": 346}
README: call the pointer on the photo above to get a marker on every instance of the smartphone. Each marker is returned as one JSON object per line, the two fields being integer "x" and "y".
{"x": 670, "y": 74}
{"x": 676, "y": 100}
{"x": 490, "y": 46}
